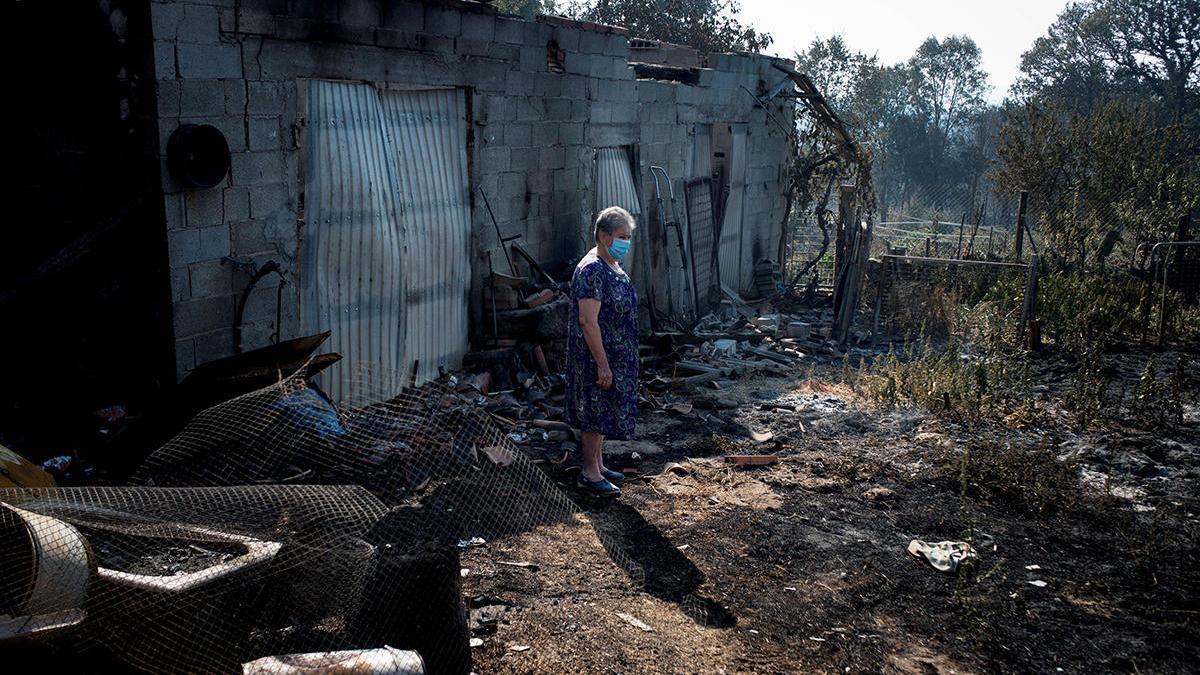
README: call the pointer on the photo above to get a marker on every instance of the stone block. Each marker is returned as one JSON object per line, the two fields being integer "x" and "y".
{"x": 201, "y": 98}
{"x": 200, "y": 24}
{"x": 235, "y": 97}
{"x": 558, "y": 109}
{"x": 251, "y": 65}
{"x": 249, "y": 237}
{"x": 200, "y": 61}
{"x": 214, "y": 241}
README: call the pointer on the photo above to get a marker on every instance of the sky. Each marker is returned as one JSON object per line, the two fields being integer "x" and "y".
{"x": 893, "y": 29}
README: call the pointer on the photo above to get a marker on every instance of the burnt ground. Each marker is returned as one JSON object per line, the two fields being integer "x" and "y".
{"x": 802, "y": 565}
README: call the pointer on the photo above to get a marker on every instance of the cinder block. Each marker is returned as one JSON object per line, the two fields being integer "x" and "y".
{"x": 602, "y": 112}
{"x": 248, "y": 237}
{"x": 406, "y": 16}
{"x": 359, "y": 12}
{"x": 570, "y": 134}
{"x": 264, "y": 98}
{"x": 478, "y": 27}
{"x": 567, "y": 38}
{"x": 524, "y": 161}
{"x": 443, "y": 21}
{"x": 202, "y": 98}
{"x": 533, "y": 59}
{"x": 263, "y": 133}
{"x": 237, "y": 204}
{"x": 165, "y": 67}
{"x": 547, "y": 85}
{"x": 591, "y": 42}
{"x": 617, "y": 45}
{"x": 578, "y": 64}
{"x": 537, "y": 34}
{"x": 511, "y": 31}
{"x": 235, "y": 97}
{"x": 266, "y": 200}
{"x": 323, "y": 10}
{"x": 257, "y": 168}
{"x": 493, "y": 159}
{"x": 204, "y": 207}
{"x": 200, "y": 61}
{"x": 558, "y": 109}
{"x": 183, "y": 247}
{"x": 518, "y": 135}
{"x": 531, "y": 109}
{"x": 210, "y": 277}
{"x": 397, "y": 39}
{"x": 214, "y": 241}
{"x": 185, "y": 357}
{"x": 552, "y": 158}
{"x": 200, "y": 24}
{"x": 165, "y": 18}
{"x": 168, "y": 93}
{"x": 251, "y": 65}
{"x": 213, "y": 345}
{"x": 545, "y": 134}
{"x": 510, "y": 54}
{"x": 467, "y": 47}
{"x": 574, "y": 86}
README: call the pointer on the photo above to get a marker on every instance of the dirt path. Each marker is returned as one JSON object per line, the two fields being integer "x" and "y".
{"x": 801, "y": 566}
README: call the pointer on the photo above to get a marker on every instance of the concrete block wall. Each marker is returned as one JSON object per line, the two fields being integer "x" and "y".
{"x": 239, "y": 66}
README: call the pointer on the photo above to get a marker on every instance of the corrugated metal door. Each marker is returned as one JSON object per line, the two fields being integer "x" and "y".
{"x": 429, "y": 132}
{"x": 731, "y": 224}
{"x": 698, "y": 199}
{"x": 351, "y": 270}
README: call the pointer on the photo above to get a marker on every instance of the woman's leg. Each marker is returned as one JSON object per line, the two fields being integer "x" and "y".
{"x": 592, "y": 443}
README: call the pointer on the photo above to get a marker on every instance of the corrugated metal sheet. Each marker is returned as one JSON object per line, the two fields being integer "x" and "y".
{"x": 731, "y": 224}
{"x": 614, "y": 181}
{"x": 352, "y": 270}
{"x": 429, "y": 131}
{"x": 698, "y": 198}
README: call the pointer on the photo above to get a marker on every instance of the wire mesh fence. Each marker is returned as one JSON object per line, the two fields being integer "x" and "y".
{"x": 1170, "y": 309}
{"x": 912, "y": 297}
{"x": 280, "y": 530}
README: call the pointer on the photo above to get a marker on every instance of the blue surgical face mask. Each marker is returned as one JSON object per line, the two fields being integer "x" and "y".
{"x": 619, "y": 248}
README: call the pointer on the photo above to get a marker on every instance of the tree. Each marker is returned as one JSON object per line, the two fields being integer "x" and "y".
{"x": 947, "y": 83}
{"x": 707, "y": 25}
{"x": 1100, "y": 50}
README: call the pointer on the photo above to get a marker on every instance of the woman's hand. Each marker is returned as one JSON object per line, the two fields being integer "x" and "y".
{"x": 604, "y": 376}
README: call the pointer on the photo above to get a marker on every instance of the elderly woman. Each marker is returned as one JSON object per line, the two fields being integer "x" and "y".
{"x": 602, "y": 349}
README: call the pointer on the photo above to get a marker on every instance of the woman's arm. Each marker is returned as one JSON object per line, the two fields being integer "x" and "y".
{"x": 589, "y": 319}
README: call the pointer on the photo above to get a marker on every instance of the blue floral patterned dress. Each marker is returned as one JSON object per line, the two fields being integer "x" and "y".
{"x": 613, "y": 411}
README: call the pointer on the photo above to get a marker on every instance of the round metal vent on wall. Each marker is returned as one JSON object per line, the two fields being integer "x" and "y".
{"x": 198, "y": 155}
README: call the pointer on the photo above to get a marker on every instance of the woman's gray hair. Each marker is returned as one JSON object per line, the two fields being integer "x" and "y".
{"x": 612, "y": 219}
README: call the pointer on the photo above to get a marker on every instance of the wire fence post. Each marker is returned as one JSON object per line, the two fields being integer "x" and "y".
{"x": 1021, "y": 222}
{"x": 1029, "y": 305}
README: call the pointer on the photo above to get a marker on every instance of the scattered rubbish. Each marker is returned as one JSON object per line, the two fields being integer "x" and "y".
{"x": 681, "y": 408}
{"x": 499, "y": 455}
{"x": 1033, "y": 567}
{"x": 761, "y": 436}
{"x": 524, "y": 565}
{"x": 518, "y": 648}
{"x": 381, "y": 661}
{"x": 816, "y": 639}
{"x": 683, "y": 547}
{"x": 1038, "y": 582}
{"x": 944, "y": 556}
{"x": 879, "y": 494}
{"x": 473, "y": 541}
{"x": 57, "y": 466}
{"x": 635, "y": 622}
{"x": 16, "y": 471}
{"x": 476, "y": 642}
{"x": 676, "y": 468}
{"x": 751, "y": 460}
{"x": 464, "y": 572}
